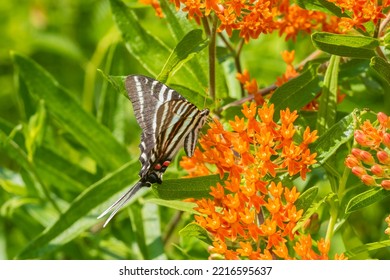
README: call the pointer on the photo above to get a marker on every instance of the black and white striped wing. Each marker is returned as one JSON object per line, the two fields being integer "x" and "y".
{"x": 147, "y": 96}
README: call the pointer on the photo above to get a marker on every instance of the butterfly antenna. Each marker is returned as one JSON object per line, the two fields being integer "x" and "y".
{"x": 120, "y": 202}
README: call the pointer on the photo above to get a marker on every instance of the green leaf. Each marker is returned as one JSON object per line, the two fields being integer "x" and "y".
{"x": 97, "y": 139}
{"x": 174, "y": 204}
{"x": 332, "y": 139}
{"x": 297, "y": 92}
{"x": 306, "y": 199}
{"x": 197, "y": 187}
{"x": 314, "y": 207}
{"x": 365, "y": 199}
{"x": 34, "y": 131}
{"x": 367, "y": 248}
{"x": 82, "y": 213}
{"x": 381, "y": 67}
{"x": 321, "y": 5}
{"x": 147, "y": 49}
{"x": 153, "y": 239}
{"x": 328, "y": 100}
{"x": 195, "y": 230}
{"x": 345, "y": 45}
{"x": 191, "y": 44}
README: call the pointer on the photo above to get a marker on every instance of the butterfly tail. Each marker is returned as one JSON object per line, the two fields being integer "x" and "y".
{"x": 121, "y": 201}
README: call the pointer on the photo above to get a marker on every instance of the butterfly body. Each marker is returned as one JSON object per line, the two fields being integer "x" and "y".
{"x": 168, "y": 122}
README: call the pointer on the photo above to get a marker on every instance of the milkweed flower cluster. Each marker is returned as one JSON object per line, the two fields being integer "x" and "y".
{"x": 254, "y": 17}
{"x": 359, "y": 12}
{"x": 371, "y": 161}
{"x": 251, "y": 215}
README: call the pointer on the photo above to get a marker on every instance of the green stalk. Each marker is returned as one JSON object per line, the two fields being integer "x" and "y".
{"x": 212, "y": 57}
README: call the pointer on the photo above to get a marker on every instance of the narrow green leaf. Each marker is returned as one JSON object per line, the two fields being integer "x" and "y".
{"x": 82, "y": 213}
{"x": 174, "y": 204}
{"x": 191, "y": 44}
{"x": 367, "y": 248}
{"x": 195, "y": 230}
{"x": 365, "y": 199}
{"x": 297, "y": 92}
{"x": 306, "y": 199}
{"x": 176, "y": 189}
{"x": 332, "y": 139}
{"x": 153, "y": 236}
{"x": 146, "y": 48}
{"x": 327, "y": 112}
{"x": 96, "y": 138}
{"x": 321, "y": 5}
{"x": 345, "y": 45}
{"x": 313, "y": 207}
{"x": 381, "y": 67}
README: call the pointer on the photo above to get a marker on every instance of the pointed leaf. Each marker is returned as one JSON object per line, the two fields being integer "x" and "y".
{"x": 191, "y": 44}
{"x": 297, "y": 92}
{"x": 197, "y": 187}
{"x": 195, "y": 230}
{"x": 332, "y": 139}
{"x": 93, "y": 136}
{"x": 365, "y": 199}
{"x": 174, "y": 204}
{"x": 382, "y": 68}
{"x": 79, "y": 217}
{"x": 345, "y": 45}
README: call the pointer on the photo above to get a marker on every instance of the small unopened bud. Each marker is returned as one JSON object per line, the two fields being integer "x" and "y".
{"x": 386, "y": 185}
{"x": 387, "y": 220}
{"x": 383, "y": 157}
{"x": 377, "y": 170}
{"x": 382, "y": 118}
{"x": 367, "y": 157}
{"x": 358, "y": 171}
{"x": 386, "y": 139}
{"x": 387, "y": 231}
{"x": 351, "y": 161}
{"x": 356, "y": 152}
{"x": 360, "y": 137}
{"x": 368, "y": 180}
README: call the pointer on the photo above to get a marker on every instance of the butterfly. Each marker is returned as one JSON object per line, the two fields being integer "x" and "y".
{"x": 168, "y": 122}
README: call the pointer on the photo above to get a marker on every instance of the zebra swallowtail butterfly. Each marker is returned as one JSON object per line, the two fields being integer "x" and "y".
{"x": 168, "y": 122}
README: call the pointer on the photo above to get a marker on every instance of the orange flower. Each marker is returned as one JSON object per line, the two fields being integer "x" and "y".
{"x": 252, "y": 152}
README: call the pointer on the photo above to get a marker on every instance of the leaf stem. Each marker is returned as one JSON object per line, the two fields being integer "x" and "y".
{"x": 212, "y": 57}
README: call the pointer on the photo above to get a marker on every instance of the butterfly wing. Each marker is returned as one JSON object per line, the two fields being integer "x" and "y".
{"x": 147, "y": 96}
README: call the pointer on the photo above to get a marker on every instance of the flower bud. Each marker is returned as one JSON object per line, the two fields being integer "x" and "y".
{"x": 360, "y": 137}
{"x": 387, "y": 231}
{"x": 356, "y": 153}
{"x": 377, "y": 170}
{"x": 386, "y": 185}
{"x": 386, "y": 139}
{"x": 368, "y": 180}
{"x": 387, "y": 220}
{"x": 382, "y": 118}
{"x": 367, "y": 157}
{"x": 383, "y": 157}
{"x": 351, "y": 161}
{"x": 358, "y": 171}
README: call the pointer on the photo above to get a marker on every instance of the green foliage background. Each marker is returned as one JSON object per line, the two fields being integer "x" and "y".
{"x": 69, "y": 141}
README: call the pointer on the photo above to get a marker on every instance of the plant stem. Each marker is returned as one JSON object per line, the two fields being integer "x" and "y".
{"x": 212, "y": 57}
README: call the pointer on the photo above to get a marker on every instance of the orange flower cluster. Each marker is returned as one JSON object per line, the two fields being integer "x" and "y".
{"x": 373, "y": 140}
{"x": 254, "y": 17}
{"x": 250, "y": 216}
{"x": 361, "y": 12}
